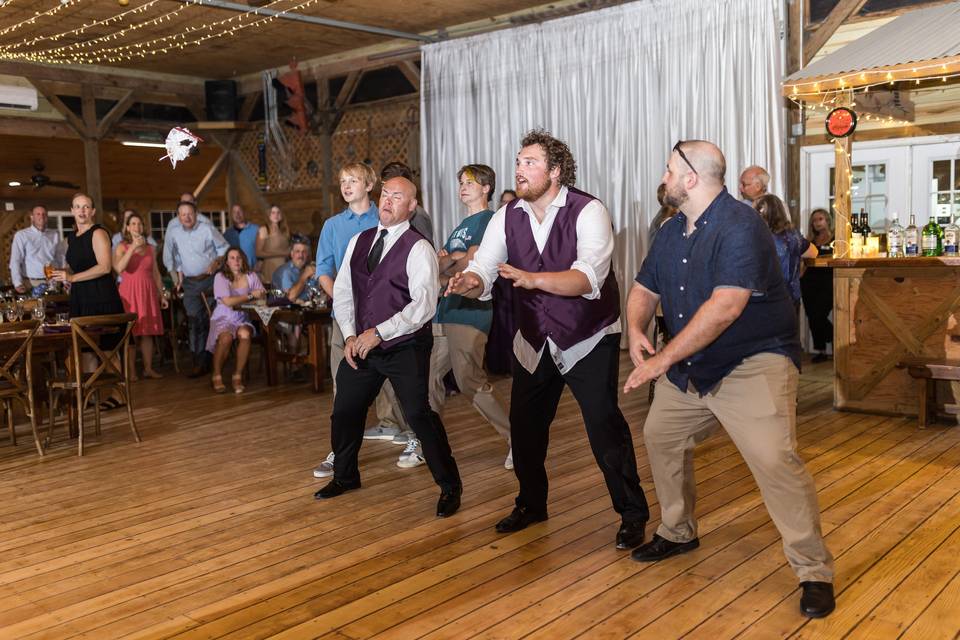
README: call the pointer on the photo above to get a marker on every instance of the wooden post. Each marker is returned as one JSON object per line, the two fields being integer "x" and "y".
{"x": 842, "y": 183}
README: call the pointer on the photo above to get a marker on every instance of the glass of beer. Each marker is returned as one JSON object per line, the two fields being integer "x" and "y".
{"x": 48, "y": 271}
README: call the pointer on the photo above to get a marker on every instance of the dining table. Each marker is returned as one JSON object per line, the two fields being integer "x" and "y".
{"x": 311, "y": 321}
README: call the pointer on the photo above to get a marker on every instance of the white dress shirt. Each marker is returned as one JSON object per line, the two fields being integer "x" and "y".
{"x": 594, "y": 251}
{"x": 423, "y": 281}
{"x": 31, "y": 250}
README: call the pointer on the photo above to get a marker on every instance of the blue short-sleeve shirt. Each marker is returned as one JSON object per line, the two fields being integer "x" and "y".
{"x": 731, "y": 246}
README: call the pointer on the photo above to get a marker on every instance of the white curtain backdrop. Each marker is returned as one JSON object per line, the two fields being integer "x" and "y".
{"x": 620, "y": 86}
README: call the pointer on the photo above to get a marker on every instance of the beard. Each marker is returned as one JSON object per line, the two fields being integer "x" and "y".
{"x": 533, "y": 191}
{"x": 676, "y": 196}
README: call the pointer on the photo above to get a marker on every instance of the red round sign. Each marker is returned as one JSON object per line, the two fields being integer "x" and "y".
{"x": 841, "y": 122}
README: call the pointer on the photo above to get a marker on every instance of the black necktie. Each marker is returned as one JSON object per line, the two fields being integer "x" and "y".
{"x": 374, "y": 258}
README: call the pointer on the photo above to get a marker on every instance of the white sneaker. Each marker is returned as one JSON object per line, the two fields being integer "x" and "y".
{"x": 325, "y": 470}
{"x": 412, "y": 455}
{"x": 403, "y": 437}
{"x": 380, "y": 432}
{"x": 508, "y": 463}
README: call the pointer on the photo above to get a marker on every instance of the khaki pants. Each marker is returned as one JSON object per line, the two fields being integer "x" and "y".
{"x": 460, "y": 347}
{"x": 757, "y": 405}
{"x": 388, "y": 409}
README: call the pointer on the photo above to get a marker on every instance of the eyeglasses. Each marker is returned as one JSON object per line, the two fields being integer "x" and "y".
{"x": 679, "y": 151}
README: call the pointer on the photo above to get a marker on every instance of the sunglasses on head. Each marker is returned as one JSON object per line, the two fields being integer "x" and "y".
{"x": 680, "y": 152}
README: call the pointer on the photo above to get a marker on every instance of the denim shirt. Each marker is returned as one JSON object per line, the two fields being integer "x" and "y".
{"x": 731, "y": 246}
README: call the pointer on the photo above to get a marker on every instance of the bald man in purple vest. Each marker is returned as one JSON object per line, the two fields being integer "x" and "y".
{"x": 555, "y": 243}
{"x": 384, "y": 298}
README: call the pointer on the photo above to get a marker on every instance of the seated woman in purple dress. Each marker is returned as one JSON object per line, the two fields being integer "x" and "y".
{"x": 234, "y": 284}
{"x": 792, "y": 247}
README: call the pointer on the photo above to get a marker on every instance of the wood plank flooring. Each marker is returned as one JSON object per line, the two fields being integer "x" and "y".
{"x": 208, "y": 529}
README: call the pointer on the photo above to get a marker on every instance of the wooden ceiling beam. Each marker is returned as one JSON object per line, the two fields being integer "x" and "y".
{"x": 37, "y": 128}
{"x": 249, "y": 104}
{"x": 410, "y": 72}
{"x": 211, "y": 175}
{"x": 144, "y": 82}
{"x": 249, "y": 84}
{"x": 838, "y": 15}
{"x": 111, "y": 93}
{"x": 116, "y": 112}
{"x": 72, "y": 118}
{"x": 347, "y": 90}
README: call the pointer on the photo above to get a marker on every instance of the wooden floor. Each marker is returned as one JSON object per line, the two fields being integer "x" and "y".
{"x": 208, "y": 529}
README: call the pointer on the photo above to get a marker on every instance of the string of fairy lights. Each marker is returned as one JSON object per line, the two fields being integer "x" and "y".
{"x": 70, "y": 46}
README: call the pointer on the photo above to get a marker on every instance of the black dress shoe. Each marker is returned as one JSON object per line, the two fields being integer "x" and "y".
{"x": 334, "y": 488}
{"x": 448, "y": 503}
{"x": 520, "y": 518}
{"x": 660, "y": 548}
{"x": 817, "y": 599}
{"x": 631, "y": 534}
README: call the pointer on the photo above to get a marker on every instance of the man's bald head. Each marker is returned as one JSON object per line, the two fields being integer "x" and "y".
{"x": 753, "y": 182}
{"x": 707, "y": 160}
{"x": 398, "y": 200}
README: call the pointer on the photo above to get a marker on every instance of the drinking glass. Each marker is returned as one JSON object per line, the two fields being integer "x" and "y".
{"x": 48, "y": 271}
{"x": 39, "y": 312}
{"x": 10, "y": 313}
{"x": 63, "y": 318}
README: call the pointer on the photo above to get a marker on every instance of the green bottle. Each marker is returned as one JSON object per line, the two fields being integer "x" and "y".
{"x": 931, "y": 239}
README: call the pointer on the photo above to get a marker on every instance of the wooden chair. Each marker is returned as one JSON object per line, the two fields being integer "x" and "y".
{"x": 258, "y": 338}
{"x": 16, "y": 374}
{"x": 85, "y": 333}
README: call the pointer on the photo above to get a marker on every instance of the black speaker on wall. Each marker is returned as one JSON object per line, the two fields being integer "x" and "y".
{"x": 221, "y": 100}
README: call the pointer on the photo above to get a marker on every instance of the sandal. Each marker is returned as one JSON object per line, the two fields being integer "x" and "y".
{"x": 217, "y": 381}
{"x": 237, "y": 381}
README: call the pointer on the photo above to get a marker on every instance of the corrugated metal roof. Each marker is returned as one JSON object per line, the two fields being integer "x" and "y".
{"x": 917, "y": 36}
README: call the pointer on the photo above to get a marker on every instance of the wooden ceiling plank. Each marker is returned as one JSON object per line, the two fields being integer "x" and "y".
{"x": 115, "y": 113}
{"x": 72, "y": 118}
{"x": 838, "y": 15}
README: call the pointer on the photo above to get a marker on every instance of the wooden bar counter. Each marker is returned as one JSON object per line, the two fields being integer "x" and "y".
{"x": 887, "y": 311}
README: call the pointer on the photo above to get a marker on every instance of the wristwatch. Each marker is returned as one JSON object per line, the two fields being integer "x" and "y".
{"x": 376, "y": 332}
{"x": 249, "y": 297}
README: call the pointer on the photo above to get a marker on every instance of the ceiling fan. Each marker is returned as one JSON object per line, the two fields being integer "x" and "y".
{"x": 39, "y": 179}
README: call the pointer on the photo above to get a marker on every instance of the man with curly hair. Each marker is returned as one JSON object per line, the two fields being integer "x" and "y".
{"x": 555, "y": 243}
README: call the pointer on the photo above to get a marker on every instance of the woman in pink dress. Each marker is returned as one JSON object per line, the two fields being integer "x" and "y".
{"x": 140, "y": 288}
{"x": 233, "y": 285}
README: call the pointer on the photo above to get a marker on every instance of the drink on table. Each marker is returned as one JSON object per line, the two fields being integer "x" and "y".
{"x": 931, "y": 239}
{"x": 895, "y": 238}
{"x": 951, "y": 237}
{"x": 911, "y": 238}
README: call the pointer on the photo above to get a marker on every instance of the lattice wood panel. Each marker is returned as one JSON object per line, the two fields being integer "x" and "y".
{"x": 10, "y": 223}
{"x": 377, "y": 134}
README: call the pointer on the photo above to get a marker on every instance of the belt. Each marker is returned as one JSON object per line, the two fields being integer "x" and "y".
{"x": 202, "y": 276}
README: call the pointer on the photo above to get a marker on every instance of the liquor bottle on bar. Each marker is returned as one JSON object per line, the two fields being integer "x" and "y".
{"x": 911, "y": 238}
{"x": 931, "y": 238}
{"x": 856, "y": 228}
{"x": 951, "y": 236}
{"x": 895, "y": 238}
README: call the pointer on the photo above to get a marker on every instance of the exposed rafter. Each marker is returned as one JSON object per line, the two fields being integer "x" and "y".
{"x": 838, "y": 15}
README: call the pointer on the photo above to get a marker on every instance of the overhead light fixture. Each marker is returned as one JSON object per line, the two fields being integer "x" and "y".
{"x": 155, "y": 145}
{"x": 14, "y": 183}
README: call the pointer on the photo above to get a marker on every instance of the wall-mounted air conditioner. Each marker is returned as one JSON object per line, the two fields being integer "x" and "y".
{"x": 20, "y": 98}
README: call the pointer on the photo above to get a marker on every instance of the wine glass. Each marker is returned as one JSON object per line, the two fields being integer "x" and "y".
{"x": 10, "y": 313}
{"x": 39, "y": 312}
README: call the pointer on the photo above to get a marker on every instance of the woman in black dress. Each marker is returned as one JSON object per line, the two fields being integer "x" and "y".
{"x": 93, "y": 288}
{"x": 816, "y": 285}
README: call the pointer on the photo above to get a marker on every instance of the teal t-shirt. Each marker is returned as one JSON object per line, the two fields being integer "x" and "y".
{"x": 457, "y": 309}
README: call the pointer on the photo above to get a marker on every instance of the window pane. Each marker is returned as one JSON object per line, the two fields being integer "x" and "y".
{"x": 941, "y": 175}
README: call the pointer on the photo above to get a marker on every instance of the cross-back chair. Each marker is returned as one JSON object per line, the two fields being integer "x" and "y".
{"x": 111, "y": 370}
{"x": 16, "y": 374}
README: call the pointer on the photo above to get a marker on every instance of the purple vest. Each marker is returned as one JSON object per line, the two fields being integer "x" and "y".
{"x": 566, "y": 320}
{"x": 379, "y": 295}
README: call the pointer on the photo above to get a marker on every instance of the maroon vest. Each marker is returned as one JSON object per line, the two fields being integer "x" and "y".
{"x": 566, "y": 320}
{"x": 379, "y": 295}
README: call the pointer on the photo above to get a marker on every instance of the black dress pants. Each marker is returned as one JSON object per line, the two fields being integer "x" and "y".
{"x": 594, "y": 382}
{"x": 407, "y": 366}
